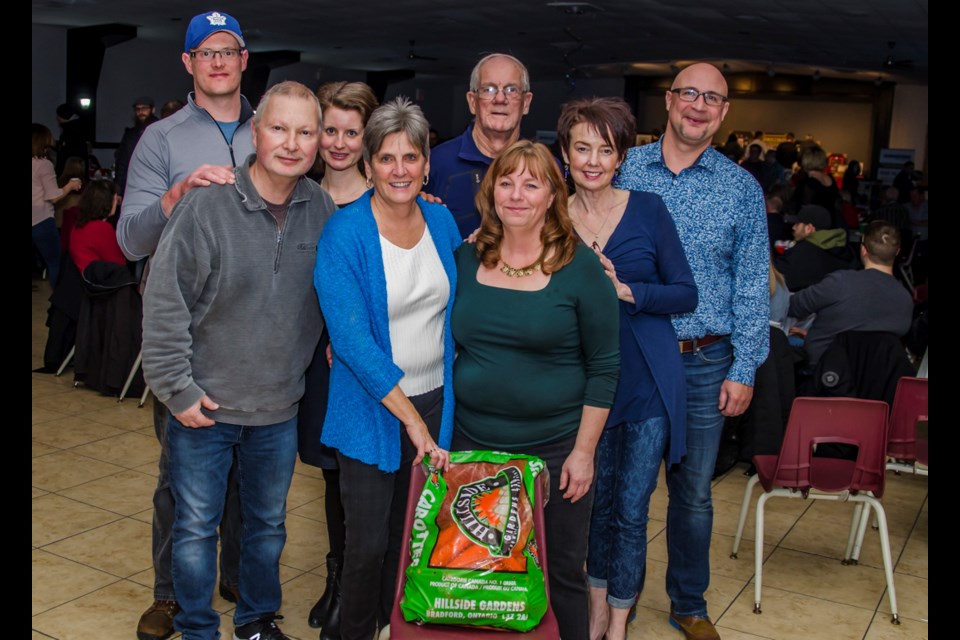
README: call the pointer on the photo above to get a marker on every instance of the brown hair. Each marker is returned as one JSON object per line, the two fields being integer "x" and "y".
{"x": 349, "y": 96}
{"x": 557, "y": 237}
{"x": 96, "y": 201}
{"x": 42, "y": 140}
{"x": 882, "y": 241}
{"x": 74, "y": 167}
{"x": 611, "y": 117}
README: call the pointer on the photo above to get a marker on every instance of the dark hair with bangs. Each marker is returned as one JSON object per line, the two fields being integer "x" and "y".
{"x": 557, "y": 236}
{"x": 611, "y": 117}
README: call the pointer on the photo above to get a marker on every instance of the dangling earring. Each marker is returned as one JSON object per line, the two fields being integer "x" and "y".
{"x": 369, "y": 182}
{"x": 616, "y": 173}
{"x": 566, "y": 171}
{"x": 426, "y": 179}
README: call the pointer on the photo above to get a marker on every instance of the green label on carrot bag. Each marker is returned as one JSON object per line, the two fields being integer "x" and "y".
{"x": 473, "y": 554}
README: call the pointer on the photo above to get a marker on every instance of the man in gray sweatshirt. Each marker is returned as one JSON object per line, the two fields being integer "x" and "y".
{"x": 231, "y": 321}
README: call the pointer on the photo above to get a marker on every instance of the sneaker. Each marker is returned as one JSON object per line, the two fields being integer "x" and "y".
{"x": 156, "y": 623}
{"x": 263, "y": 629}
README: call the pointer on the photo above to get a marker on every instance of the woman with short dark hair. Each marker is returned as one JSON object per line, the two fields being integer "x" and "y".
{"x": 637, "y": 242}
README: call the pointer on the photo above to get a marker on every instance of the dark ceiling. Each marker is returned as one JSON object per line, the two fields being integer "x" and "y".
{"x": 852, "y": 39}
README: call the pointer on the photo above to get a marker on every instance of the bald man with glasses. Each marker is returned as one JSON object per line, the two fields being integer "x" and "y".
{"x": 499, "y": 97}
{"x": 719, "y": 211}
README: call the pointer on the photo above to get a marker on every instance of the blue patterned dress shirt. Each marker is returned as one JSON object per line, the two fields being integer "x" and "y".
{"x": 719, "y": 212}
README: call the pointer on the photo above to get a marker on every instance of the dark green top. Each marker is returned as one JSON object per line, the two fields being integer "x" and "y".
{"x": 528, "y": 361}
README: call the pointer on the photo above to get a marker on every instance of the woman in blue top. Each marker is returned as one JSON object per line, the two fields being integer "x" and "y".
{"x": 385, "y": 277}
{"x": 640, "y": 251}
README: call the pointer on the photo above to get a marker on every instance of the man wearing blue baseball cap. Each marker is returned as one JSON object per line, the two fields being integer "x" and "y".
{"x": 197, "y": 146}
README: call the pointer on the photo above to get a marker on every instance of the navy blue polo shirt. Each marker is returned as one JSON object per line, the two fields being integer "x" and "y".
{"x": 456, "y": 169}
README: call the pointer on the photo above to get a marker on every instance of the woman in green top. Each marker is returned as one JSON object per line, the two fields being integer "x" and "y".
{"x": 537, "y": 329}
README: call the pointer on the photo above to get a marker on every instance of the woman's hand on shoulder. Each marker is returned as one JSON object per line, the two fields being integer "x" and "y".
{"x": 623, "y": 291}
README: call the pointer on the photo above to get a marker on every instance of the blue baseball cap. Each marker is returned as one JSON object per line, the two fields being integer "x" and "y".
{"x": 206, "y": 24}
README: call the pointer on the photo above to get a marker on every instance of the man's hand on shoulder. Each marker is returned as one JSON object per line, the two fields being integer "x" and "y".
{"x": 202, "y": 176}
{"x": 429, "y": 197}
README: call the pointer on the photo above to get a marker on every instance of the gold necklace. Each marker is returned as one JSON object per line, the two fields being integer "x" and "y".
{"x": 596, "y": 234}
{"x": 519, "y": 273}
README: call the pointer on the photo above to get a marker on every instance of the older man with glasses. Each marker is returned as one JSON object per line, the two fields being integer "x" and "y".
{"x": 197, "y": 146}
{"x": 499, "y": 97}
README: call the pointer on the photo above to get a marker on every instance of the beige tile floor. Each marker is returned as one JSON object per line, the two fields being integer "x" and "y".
{"x": 94, "y": 469}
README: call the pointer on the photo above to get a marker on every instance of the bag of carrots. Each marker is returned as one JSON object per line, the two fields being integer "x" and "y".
{"x": 473, "y": 554}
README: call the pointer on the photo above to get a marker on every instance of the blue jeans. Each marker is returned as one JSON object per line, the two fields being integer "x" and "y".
{"x": 163, "y": 513}
{"x": 200, "y": 461}
{"x": 627, "y": 467}
{"x": 47, "y": 239}
{"x": 690, "y": 509}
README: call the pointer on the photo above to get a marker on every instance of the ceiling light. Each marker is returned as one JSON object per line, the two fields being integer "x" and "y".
{"x": 575, "y": 8}
{"x": 84, "y": 103}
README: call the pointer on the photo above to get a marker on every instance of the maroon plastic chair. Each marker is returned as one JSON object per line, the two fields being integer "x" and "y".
{"x": 904, "y": 448}
{"x": 795, "y": 471}
{"x": 400, "y": 629}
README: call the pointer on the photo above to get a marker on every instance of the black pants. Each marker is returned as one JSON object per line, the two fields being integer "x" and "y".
{"x": 568, "y": 524}
{"x": 374, "y": 504}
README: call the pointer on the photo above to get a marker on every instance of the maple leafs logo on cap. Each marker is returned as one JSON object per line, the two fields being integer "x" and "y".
{"x": 216, "y": 19}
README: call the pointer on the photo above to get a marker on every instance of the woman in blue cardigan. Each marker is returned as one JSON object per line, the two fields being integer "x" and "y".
{"x": 640, "y": 251}
{"x": 385, "y": 277}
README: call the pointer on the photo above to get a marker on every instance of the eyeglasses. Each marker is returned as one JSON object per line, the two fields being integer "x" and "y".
{"x": 208, "y": 54}
{"x": 689, "y": 94}
{"x": 490, "y": 91}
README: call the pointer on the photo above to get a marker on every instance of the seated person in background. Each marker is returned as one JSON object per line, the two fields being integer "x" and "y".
{"x": 773, "y": 173}
{"x": 917, "y": 210}
{"x": 753, "y": 162}
{"x": 93, "y": 238}
{"x": 849, "y": 210}
{"x": 777, "y": 227}
{"x": 819, "y": 250}
{"x": 848, "y": 300}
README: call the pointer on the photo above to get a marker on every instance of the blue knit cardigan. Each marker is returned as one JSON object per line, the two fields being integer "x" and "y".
{"x": 352, "y": 289}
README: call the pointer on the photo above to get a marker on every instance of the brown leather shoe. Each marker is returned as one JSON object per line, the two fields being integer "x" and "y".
{"x": 694, "y": 628}
{"x": 156, "y": 623}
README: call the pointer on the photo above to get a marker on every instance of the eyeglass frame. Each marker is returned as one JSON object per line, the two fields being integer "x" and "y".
{"x": 211, "y": 54}
{"x": 484, "y": 93}
{"x": 712, "y": 94}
